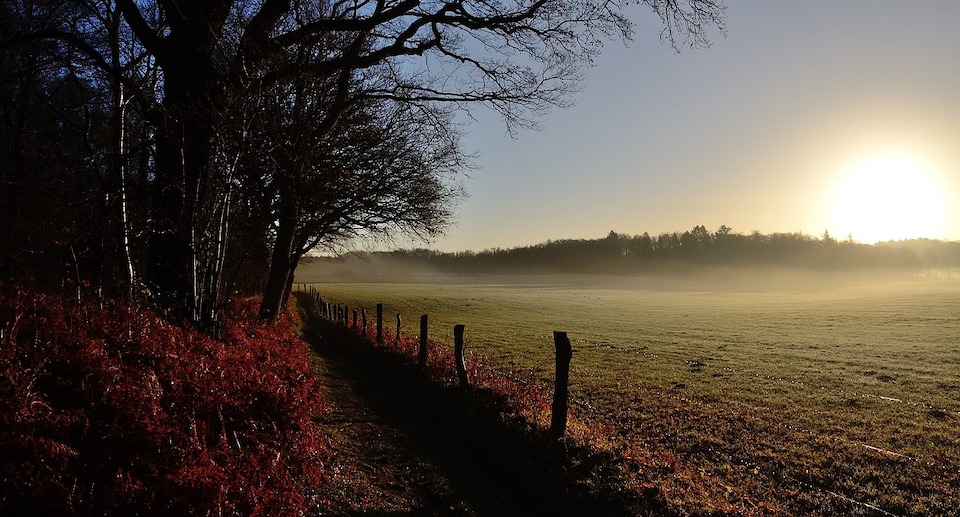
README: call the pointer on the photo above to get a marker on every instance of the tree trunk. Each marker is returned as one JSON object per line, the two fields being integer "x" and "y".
{"x": 183, "y": 151}
{"x": 294, "y": 262}
{"x": 11, "y": 212}
{"x": 14, "y": 173}
{"x": 281, "y": 268}
{"x": 119, "y": 154}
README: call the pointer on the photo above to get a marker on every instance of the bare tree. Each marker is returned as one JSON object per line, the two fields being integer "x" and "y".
{"x": 519, "y": 57}
{"x": 384, "y": 166}
{"x": 522, "y": 57}
{"x": 70, "y": 131}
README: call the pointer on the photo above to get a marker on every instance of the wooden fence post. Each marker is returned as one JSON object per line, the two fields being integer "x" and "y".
{"x": 422, "y": 353}
{"x": 458, "y": 355}
{"x": 558, "y": 421}
{"x": 354, "y": 327}
{"x": 397, "y": 340}
{"x": 363, "y": 315}
{"x": 379, "y": 323}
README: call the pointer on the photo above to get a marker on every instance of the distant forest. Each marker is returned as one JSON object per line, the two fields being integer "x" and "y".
{"x": 622, "y": 253}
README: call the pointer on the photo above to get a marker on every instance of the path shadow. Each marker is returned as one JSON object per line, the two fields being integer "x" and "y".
{"x": 497, "y": 464}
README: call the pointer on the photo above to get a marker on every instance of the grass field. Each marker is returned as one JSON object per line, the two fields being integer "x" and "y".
{"x": 732, "y": 396}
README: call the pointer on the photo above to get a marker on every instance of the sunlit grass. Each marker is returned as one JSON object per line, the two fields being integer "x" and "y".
{"x": 786, "y": 398}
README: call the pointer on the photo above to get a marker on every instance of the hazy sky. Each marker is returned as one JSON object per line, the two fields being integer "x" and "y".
{"x": 808, "y": 116}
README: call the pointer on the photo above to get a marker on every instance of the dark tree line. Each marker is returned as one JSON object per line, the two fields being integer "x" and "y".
{"x": 698, "y": 246}
{"x": 178, "y": 151}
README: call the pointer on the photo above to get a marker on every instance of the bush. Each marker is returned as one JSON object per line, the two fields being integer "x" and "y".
{"x": 105, "y": 410}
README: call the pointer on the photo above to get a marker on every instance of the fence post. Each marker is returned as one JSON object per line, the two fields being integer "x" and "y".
{"x": 380, "y": 324}
{"x": 397, "y": 340}
{"x": 558, "y": 421}
{"x": 363, "y": 314}
{"x": 422, "y": 353}
{"x": 458, "y": 355}
{"x": 354, "y": 327}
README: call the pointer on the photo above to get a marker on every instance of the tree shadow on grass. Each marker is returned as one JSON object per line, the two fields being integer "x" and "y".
{"x": 497, "y": 464}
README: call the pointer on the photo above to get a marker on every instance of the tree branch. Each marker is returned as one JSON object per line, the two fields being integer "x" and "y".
{"x": 148, "y": 37}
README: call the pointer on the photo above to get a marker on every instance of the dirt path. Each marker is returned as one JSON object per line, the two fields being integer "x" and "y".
{"x": 396, "y": 452}
{"x": 408, "y": 446}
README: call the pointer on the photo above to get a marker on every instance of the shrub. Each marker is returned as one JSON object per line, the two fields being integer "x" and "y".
{"x": 106, "y": 410}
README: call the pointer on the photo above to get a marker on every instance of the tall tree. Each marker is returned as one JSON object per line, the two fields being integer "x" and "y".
{"x": 69, "y": 132}
{"x": 386, "y": 166}
{"x": 519, "y": 56}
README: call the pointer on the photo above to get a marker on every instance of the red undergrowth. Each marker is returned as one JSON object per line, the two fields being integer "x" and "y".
{"x": 107, "y": 410}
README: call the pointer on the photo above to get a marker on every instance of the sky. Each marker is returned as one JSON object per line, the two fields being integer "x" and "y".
{"x": 813, "y": 116}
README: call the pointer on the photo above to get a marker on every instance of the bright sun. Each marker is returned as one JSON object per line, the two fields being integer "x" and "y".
{"x": 888, "y": 198}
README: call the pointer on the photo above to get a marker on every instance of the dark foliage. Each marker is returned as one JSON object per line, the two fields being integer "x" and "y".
{"x": 105, "y": 410}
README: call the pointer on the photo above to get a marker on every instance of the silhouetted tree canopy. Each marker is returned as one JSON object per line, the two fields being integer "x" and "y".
{"x": 210, "y": 114}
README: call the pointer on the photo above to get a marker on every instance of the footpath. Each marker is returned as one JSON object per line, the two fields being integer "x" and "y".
{"x": 405, "y": 446}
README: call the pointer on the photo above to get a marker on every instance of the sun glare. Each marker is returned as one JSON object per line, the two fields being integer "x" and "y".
{"x": 888, "y": 198}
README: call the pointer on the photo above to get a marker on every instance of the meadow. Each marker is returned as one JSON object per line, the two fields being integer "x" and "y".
{"x": 808, "y": 395}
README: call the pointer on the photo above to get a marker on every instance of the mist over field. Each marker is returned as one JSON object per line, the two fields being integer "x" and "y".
{"x": 816, "y": 376}
{"x": 695, "y": 259}
{"x": 384, "y": 268}
{"x": 791, "y": 384}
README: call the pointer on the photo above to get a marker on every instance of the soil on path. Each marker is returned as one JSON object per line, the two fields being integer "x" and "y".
{"x": 395, "y": 452}
{"x": 406, "y": 446}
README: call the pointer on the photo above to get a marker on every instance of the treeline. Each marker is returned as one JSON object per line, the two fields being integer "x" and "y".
{"x": 619, "y": 252}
